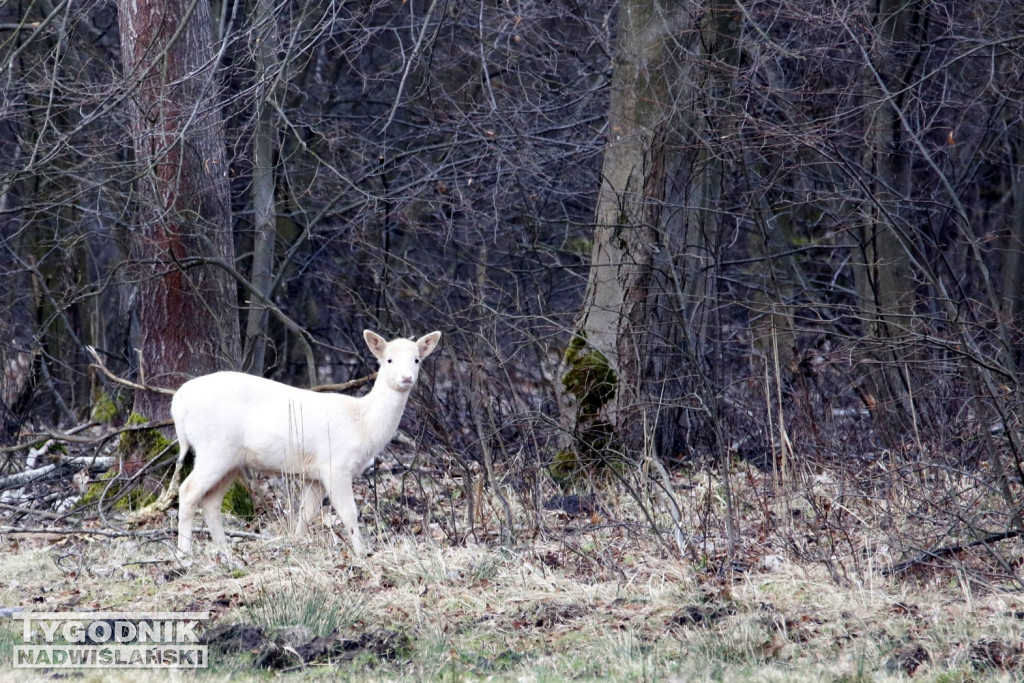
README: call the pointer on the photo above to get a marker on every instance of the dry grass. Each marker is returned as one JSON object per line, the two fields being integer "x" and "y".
{"x": 584, "y": 598}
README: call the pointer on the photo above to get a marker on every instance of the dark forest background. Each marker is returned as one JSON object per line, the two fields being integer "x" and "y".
{"x": 660, "y": 238}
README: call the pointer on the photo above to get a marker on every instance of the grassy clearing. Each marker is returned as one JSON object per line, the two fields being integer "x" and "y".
{"x": 420, "y": 610}
{"x": 588, "y": 596}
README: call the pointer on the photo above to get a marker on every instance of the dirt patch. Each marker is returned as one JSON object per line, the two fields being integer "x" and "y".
{"x": 701, "y": 615}
{"x": 549, "y": 615}
{"x": 907, "y": 659}
{"x": 291, "y": 648}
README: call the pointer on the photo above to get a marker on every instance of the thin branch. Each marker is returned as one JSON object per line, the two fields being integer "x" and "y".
{"x": 29, "y": 511}
{"x": 292, "y": 326}
{"x": 56, "y": 470}
{"x": 408, "y": 65}
{"x": 345, "y": 386}
{"x": 158, "y": 533}
{"x": 120, "y": 380}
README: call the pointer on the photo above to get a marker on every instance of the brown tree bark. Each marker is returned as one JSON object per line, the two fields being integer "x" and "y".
{"x": 186, "y": 309}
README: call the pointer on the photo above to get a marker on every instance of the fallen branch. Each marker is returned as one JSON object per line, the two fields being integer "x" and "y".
{"x": 169, "y": 533}
{"x": 95, "y": 465}
{"x": 945, "y": 551}
{"x": 29, "y": 511}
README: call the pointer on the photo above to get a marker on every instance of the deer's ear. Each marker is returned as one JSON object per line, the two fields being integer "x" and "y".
{"x": 376, "y": 343}
{"x": 427, "y": 343}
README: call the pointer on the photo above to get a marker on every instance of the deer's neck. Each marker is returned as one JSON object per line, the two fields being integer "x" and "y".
{"x": 381, "y": 411}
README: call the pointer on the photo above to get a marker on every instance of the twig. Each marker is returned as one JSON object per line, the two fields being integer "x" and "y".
{"x": 345, "y": 386}
{"x": 29, "y": 511}
{"x": 409, "y": 63}
{"x": 76, "y": 532}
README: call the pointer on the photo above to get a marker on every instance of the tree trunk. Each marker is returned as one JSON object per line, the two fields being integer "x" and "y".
{"x": 264, "y": 209}
{"x": 186, "y": 309}
{"x": 604, "y": 360}
{"x": 645, "y": 310}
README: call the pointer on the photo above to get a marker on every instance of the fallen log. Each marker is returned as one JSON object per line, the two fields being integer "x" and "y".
{"x": 62, "y": 468}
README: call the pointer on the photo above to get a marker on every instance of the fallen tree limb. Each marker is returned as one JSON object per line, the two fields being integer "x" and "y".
{"x": 95, "y": 465}
{"x": 29, "y": 511}
{"x": 945, "y": 551}
{"x": 169, "y": 533}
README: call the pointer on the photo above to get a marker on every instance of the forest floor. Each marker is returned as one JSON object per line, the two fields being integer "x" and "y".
{"x": 582, "y": 599}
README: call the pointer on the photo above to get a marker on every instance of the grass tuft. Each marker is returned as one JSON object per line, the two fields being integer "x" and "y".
{"x": 303, "y": 603}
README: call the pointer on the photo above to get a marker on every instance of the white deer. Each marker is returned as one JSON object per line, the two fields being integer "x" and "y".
{"x": 235, "y": 421}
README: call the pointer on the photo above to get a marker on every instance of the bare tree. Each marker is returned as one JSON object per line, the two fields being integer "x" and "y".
{"x": 659, "y": 219}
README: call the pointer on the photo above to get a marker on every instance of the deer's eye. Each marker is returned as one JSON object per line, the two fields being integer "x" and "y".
{"x": 389, "y": 360}
{"x": 417, "y": 361}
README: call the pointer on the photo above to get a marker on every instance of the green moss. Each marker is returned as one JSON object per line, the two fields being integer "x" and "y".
{"x": 135, "y": 499}
{"x": 55, "y": 450}
{"x": 580, "y": 246}
{"x": 108, "y": 487}
{"x": 104, "y": 409}
{"x": 565, "y": 465}
{"x": 144, "y": 444}
{"x": 93, "y": 493}
{"x": 590, "y": 379}
{"x": 238, "y": 501}
{"x": 136, "y": 448}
